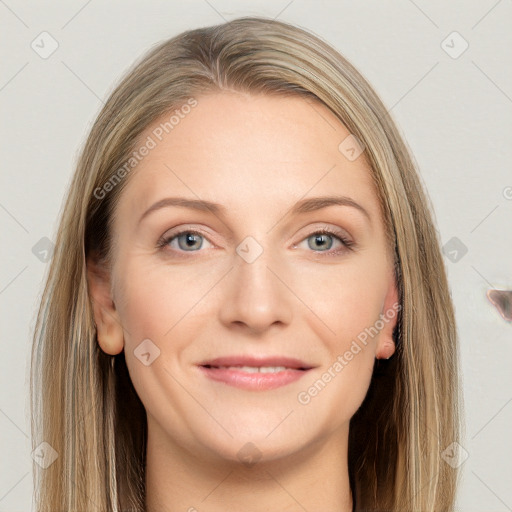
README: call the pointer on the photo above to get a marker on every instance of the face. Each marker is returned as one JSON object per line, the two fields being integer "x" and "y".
{"x": 262, "y": 276}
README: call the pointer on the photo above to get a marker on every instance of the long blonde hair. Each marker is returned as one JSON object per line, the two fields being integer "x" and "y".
{"x": 83, "y": 403}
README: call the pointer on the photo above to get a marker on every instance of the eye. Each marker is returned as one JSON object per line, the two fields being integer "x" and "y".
{"x": 321, "y": 241}
{"x": 187, "y": 240}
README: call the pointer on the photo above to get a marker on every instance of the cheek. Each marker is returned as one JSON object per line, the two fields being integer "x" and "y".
{"x": 349, "y": 306}
{"x": 166, "y": 305}
{"x": 147, "y": 309}
{"x": 345, "y": 299}
{"x": 155, "y": 308}
{"x": 154, "y": 297}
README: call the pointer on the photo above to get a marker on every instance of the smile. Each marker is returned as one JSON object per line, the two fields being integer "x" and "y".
{"x": 253, "y": 378}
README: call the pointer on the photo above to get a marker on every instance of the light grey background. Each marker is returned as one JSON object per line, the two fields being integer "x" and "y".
{"x": 455, "y": 114}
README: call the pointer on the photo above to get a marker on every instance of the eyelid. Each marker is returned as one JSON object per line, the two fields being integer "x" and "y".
{"x": 347, "y": 242}
{"x": 329, "y": 229}
{"x": 178, "y": 231}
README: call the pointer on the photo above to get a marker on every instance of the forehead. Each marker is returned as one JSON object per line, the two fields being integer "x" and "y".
{"x": 239, "y": 150}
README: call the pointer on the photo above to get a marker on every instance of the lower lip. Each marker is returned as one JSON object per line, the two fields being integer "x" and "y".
{"x": 253, "y": 381}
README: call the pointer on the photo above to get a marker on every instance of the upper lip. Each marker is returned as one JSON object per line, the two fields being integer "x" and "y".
{"x": 258, "y": 362}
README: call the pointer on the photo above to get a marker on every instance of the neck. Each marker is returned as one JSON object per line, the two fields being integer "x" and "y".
{"x": 314, "y": 478}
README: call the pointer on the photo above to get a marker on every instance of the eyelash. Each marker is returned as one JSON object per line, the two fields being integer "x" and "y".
{"x": 347, "y": 244}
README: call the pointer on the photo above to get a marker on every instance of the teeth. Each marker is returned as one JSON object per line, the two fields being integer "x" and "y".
{"x": 253, "y": 369}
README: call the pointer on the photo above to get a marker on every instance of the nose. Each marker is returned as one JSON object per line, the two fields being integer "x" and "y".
{"x": 256, "y": 296}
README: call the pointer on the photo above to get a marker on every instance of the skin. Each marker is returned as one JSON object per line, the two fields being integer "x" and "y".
{"x": 257, "y": 155}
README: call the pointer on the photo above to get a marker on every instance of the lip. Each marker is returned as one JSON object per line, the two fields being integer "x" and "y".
{"x": 295, "y": 369}
{"x": 288, "y": 362}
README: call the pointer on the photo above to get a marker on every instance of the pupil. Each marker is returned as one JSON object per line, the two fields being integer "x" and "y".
{"x": 190, "y": 240}
{"x": 320, "y": 239}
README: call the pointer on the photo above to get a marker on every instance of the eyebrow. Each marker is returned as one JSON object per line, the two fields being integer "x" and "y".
{"x": 303, "y": 206}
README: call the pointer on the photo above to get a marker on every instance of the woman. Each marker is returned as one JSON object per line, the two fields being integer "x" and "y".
{"x": 247, "y": 307}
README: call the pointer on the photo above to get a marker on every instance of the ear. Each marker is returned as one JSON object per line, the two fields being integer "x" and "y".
{"x": 108, "y": 324}
{"x": 389, "y": 314}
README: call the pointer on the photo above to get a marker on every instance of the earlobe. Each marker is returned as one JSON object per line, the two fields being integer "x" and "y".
{"x": 386, "y": 349}
{"x": 108, "y": 325}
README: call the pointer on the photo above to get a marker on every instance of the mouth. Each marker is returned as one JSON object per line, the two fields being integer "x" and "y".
{"x": 288, "y": 363}
{"x": 255, "y": 374}
{"x": 253, "y": 369}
